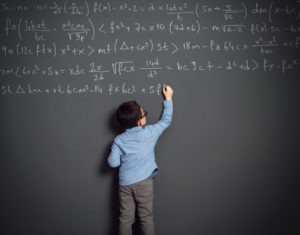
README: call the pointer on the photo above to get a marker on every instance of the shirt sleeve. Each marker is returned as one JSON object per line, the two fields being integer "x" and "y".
{"x": 165, "y": 120}
{"x": 114, "y": 156}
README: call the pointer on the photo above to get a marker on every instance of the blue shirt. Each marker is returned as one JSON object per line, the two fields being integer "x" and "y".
{"x": 133, "y": 150}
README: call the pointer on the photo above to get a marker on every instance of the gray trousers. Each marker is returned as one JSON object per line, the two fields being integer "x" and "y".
{"x": 136, "y": 197}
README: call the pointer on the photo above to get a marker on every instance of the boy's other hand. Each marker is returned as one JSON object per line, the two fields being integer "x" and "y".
{"x": 168, "y": 92}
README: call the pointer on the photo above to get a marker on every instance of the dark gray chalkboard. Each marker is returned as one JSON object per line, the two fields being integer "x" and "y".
{"x": 228, "y": 163}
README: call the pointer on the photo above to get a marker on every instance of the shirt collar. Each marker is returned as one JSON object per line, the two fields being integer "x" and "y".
{"x": 134, "y": 129}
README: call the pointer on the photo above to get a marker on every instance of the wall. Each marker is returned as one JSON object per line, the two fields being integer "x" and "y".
{"x": 227, "y": 163}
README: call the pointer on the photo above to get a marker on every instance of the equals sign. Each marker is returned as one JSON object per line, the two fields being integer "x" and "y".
{"x": 62, "y": 71}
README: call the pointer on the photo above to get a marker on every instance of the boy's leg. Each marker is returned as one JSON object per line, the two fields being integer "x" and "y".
{"x": 127, "y": 210}
{"x": 144, "y": 202}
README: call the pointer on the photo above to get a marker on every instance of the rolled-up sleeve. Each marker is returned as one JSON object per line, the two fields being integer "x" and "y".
{"x": 114, "y": 156}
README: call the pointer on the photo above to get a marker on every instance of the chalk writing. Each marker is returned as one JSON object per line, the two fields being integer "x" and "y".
{"x": 88, "y": 41}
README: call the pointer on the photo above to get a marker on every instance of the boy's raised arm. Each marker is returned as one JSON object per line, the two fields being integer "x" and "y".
{"x": 166, "y": 118}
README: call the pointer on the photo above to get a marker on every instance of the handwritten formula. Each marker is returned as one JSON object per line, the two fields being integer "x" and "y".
{"x": 103, "y": 47}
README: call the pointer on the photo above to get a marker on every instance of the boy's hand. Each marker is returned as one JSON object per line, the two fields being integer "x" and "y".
{"x": 168, "y": 92}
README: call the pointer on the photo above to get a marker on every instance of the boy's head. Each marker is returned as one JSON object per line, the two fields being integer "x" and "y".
{"x": 130, "y": 114}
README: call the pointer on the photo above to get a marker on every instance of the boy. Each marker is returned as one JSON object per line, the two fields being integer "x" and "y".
{"x": 133, "y": 151}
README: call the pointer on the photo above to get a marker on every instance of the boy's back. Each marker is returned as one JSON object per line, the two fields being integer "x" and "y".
{"x": 133, "y": 150}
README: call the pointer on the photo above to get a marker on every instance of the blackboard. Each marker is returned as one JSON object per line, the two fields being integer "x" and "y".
{"x": 228, "y": 163}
